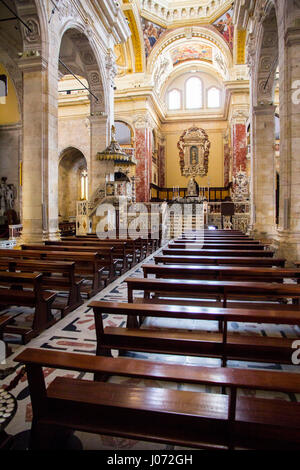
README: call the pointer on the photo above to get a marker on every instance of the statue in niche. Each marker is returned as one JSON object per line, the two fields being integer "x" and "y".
{"x": 7, "y": 196}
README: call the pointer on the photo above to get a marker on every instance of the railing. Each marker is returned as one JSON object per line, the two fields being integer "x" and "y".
{"x": 167, "y": 194}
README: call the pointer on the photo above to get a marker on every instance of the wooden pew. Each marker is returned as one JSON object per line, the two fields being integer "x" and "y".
{"x": 217, "y": 253}
{"x": 223, "y": 345}
{"x": 221, "y": 290}
{"x": 153, "y": 243}
{"x": 212, "y": 240}
{"x": 135, "y": 245}
{"x": 177, "y": 417}
{"x": 105, "y": 255}
{"x": 87, "y": 264}
{"x": 57, "y": 275}
{"x": 232, "y": 273}
{"x": 219, "y": 261}
{"x": 214, "y": 246}
{"x": 120, "y": 252}
{"x": 12, "y": 293}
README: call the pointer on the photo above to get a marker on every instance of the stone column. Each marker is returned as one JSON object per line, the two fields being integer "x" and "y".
{"x": 34, "y": 147}
{"x": 99, "y": 132}
{"x": 288, "y": 234}
{"x": 263, "y": 170}
{"x": 144, "y": 159}
{"x": 40, "y": 168}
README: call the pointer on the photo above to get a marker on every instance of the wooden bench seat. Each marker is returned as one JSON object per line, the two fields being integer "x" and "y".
{"x": 57, "y": 275}
{"x": 13, "y": 293}
{"x": 221, "y": 272}
{"x": 180, "y": 417}
{"x": 218, "y": 253}
{"x": 135, "y": 247}
{"x": 178, "y": 341}
{"x": 122, "y": 254}
{"x": 87, "y": 264}
{"x": 214, "y": 246}
{"x": 105, "y": 257}
{"x": 217, "y": 240}
{"x": 222, "y": 290}
{"x": 219, "y": 261}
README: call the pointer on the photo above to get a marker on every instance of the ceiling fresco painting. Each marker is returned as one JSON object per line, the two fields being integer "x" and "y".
{"x": 225, "y": 26}
{"x": 191, "y": 52}
{"x": 151, "y": 33}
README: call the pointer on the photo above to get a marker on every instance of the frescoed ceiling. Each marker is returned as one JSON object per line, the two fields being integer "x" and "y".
{"x": 148, "y": 35}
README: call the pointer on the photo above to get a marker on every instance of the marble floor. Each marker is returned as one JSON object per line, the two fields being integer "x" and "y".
{"x": 76, "y": 333}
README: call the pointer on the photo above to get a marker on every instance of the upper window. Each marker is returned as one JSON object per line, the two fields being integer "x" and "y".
{"x": 123, "y": 133}
{"x": 213, "y": 98}
{"x": 193, "y": 93}
{"x": 174, "y": 99}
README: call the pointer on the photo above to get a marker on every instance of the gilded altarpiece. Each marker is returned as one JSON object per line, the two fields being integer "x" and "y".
{"x": 194, "y": 147}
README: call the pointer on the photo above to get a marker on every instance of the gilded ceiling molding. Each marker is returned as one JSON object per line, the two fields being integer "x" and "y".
{"x": 135, "y": 37}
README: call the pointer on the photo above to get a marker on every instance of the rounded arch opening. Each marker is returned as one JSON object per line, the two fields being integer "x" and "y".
{"x": 72, "y": 182}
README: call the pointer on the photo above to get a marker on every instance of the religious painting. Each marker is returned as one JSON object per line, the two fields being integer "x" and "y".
{"x": 194, "y": 159}
{"x": 225, "y": 26}
{"x": 191, "y": 52}
{"x": 194, "y": 147}
{"x": 151, "y": 33}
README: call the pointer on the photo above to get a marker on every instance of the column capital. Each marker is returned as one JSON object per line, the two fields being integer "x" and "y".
{"x": 292, "y": 36}
{"x": 98, "y": 118}
{"x": 264, "y": 109}
{"x": 32, "y": 61}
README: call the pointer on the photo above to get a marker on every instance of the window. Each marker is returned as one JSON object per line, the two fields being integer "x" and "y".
{"x": 174, "y": 100}
{"x": 123, "y": 133}
{"x": 213, "y": 98}
{"x": 193, "y": 93}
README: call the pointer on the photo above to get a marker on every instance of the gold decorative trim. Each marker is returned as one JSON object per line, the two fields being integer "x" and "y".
{"x": 135, "y": 37}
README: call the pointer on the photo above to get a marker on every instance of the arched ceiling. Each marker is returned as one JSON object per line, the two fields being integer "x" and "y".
{"x": 169, "y": 42}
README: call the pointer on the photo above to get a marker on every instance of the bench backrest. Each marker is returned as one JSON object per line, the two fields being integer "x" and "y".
{"x": 220, "y": 260}
{"x": 216, "y": 252}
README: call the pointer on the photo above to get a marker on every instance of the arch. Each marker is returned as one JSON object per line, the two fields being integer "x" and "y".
{"x": 199, "y": 34}
{"x": 124, "y": 130}
{"x": 71, "y": 163}
{"x": 266, "y": 58}
{"x": 80, "y": 53}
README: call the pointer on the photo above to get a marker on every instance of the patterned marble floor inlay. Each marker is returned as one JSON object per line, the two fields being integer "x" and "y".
{"x": 76, "y": 333}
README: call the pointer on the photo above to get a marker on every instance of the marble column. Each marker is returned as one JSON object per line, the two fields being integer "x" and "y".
{"x": 263, "y": 170}
{"x": 99, "y": 134}
{"x": 39, "y": 191}
{"x": 144, "y": 162}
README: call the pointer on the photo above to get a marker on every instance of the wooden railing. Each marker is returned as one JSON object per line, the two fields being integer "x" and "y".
{"x": 167, "y": 194}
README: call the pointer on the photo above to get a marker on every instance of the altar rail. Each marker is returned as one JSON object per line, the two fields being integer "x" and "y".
{"x": 158, "y": 194}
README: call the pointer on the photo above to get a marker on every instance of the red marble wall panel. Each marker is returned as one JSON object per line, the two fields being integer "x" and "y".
{"x": 162, "y": 166}
{"x": 226, "y": 164}
{"x": 143, "y": 152}
{"x": 239, "y": 148}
